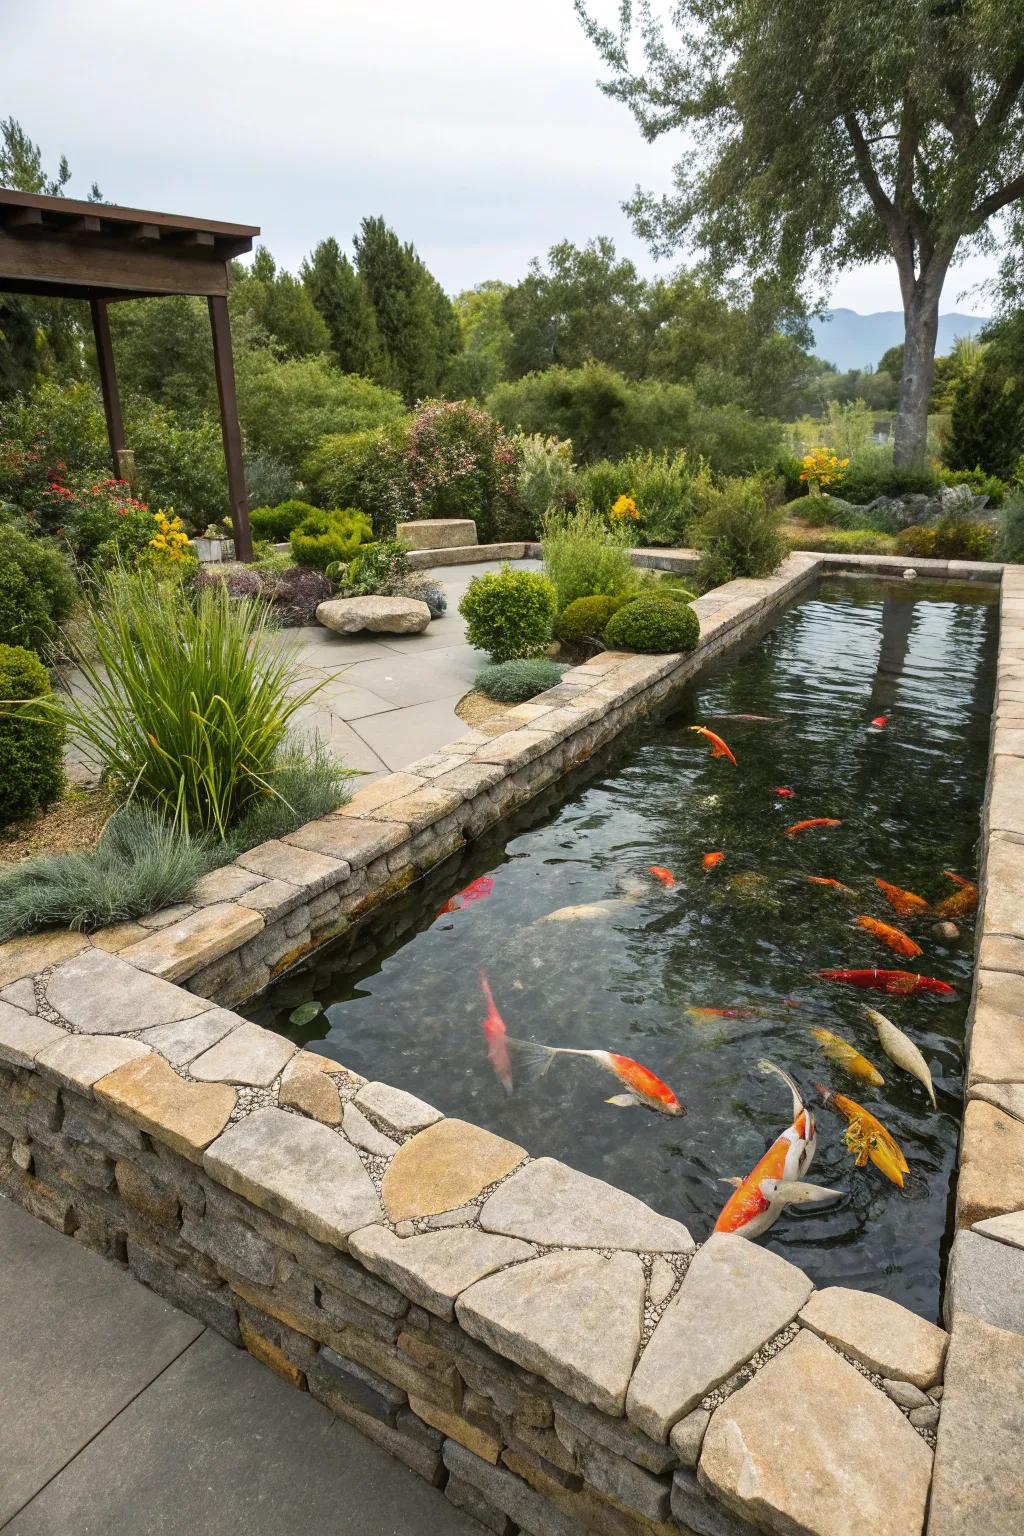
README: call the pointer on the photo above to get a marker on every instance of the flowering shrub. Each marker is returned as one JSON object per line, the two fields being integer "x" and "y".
{"x": 822, "y": 468}
{"x": 624, "y": 509}
{"x": 170, "y": 544}
{"x": 461, "y": 464}
{"x": 101, "y": 521}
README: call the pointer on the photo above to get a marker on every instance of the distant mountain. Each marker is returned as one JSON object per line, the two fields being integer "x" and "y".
{"x": 857, "y": 341}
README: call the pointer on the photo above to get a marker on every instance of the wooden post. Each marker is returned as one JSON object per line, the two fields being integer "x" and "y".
{"x": 220, "y": 325}
{"x": 108, "y": 381}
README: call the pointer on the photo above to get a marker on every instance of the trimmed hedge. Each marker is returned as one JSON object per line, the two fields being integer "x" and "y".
{"x": 586, "y": 616}
{"x": 31, "y": 746}
{"x": 653, "y": 624}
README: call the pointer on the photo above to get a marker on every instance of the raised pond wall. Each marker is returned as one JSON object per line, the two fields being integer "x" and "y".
{"x": 558, "y": 1355}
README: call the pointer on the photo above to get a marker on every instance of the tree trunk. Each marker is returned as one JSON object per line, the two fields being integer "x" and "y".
{"x": 921, "y": 326}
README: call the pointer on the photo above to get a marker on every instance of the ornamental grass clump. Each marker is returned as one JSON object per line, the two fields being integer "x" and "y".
{"x": 509, "y": 613}
{"x": 184, "y": 707}
{"x": 583, "y": 557}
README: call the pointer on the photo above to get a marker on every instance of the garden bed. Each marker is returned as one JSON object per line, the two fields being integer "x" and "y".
{"x": 560, "y": 1354}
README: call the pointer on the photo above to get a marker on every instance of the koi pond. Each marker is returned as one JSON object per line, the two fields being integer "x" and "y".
{"x": 702, "y": 979}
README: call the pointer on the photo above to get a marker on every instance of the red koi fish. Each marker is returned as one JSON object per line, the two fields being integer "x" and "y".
{"x": 829, "y": 884}
{"x": 783, "y": 792}
{"x": 750, "y": 1210}
{"x": 813, "y": 821}
{"x": 497, "y": 1040}
{"x": 880, "y": 722}
{"x": 904, "y": 903}
{"x": 718, "y": 746}
{"x": 476, "y": 890}
{"x": 644, "y": 1086}
{"x": 896, "y": 983}
{"x": 712, "y": 860}
{"x": 893, "y": 938}
{"x": 664, "y": 876}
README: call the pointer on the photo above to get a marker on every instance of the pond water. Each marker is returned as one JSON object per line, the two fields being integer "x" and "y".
{"x": 908, "y": 796}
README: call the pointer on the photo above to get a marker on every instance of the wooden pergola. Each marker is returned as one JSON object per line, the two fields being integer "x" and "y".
{"x": 96, "y": 251}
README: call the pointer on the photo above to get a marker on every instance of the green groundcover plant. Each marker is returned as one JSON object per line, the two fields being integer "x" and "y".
{"x": 512, "y": 682}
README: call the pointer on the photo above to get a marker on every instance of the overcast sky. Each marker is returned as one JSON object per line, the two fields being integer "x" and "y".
{"x": 474, "y": 126}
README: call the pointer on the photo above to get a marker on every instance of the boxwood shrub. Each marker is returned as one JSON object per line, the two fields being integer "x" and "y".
{"x": 31, "y": 746}
{"x": 509, "y": 613}
{"x": 587, "y": 616}
{"x": 654, "y": 624}
{"x": 37, "y": 589}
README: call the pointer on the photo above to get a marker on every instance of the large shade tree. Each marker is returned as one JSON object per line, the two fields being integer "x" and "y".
{"x": 818, "y": 136}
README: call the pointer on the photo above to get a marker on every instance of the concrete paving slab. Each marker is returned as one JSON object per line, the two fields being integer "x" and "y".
{"x": 403, "y": 735}
{"x": 219, "y": 1446}
{"x": 409, "y": 680}
{"x": 80, "y": 1340}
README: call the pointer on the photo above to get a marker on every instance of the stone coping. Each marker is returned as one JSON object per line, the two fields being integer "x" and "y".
{"x": 655, "y": 1357}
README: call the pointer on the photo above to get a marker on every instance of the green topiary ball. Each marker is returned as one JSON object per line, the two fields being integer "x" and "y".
{"x": 31, "y": 748}
{"x": 37, "y": 589}
{"x": 653, "y": 624}
{"x": 587, "y": 616}
{"x": 509, "y": 613}
{"x": 511, "y": 682}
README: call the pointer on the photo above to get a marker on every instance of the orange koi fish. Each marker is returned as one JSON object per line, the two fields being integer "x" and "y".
{"x": 896, "y": 983}
{"x": 712, "y": 860}
{"x": 893, "y": 938}
{"x": 903, "y": 903}
{"x": 962, "y": 902}
{"x": 783, "y": 792}
{"x": 867, "y": 1137}
{"x": 740, "y": 1012}
{"x": 644, "y": 1086}
{"x": 749, "y": 1210}
{"x": 718, "y": 746}
{"x": 497, "y": 1040}
{"x": 829, "y": 884}
{"x": 476, "y": 890}
{"x": 665, "y": 876}
{"x": 843, "y": 1054}
{"x": 815, "y": 821}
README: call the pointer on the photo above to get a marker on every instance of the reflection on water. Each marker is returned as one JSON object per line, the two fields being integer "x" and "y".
{"x": 908, "y": 797}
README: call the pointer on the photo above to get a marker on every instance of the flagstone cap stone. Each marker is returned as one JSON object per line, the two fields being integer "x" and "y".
{"x": 357, "y": 842}
{"x": 548, "y": 1202}
{"x": 996, "y": 1039}
{"x": 445, "y": 1166}
{"x": 734, "y": 1297}
{"x": 986, "y": 1279}
{"x": 402, "y": 1111}
{"x": 298, "y": 1170}
{"x": 196, "y": 940}
{"x": 29, "y": 956}
{"x": 185, "y": 1039}
{"x": 151, "y": 1096}
{"x": 249, "y": 1055}
{"x": 363, "y": 1133}
{"x": 434, "y": 1268}
{"x": 991, "y": 1178}
{"x": 23, "y": 1036}
{"x": 573, "y": 1318}
{"x": 21, "y": 993}
{"x": 1008, "y": 1097}
{"x": 978, "y": 1488}
{"x": 879, "y": 1333}
{"x": 78, "y": 1061}
{"x": 810, "y": 1446}
{"x": 105, "y": 995}
{"x": 1005, "y": 1229}
{"x": 309, "y": 1084}
{"x": 275, "y": 860}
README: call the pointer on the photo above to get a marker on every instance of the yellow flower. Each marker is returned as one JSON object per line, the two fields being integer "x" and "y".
{"x": 624, "y": 507}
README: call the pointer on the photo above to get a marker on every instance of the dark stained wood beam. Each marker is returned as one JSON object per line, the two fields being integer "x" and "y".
{"x": 220, "y": 325}
{"x": 197, "y": 237}
{"x": 84, "y": 224}
{"x": 138, "y": 232}
{"x": 108, "y": 382}
{"x": 100, "y": 266}
{"x": 24, "y": 218}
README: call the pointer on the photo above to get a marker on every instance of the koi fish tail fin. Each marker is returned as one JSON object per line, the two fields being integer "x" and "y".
{"x": 826, "y": 1093}
{"x": 535, "y": 1058}
{"x": 764, "y": 1065}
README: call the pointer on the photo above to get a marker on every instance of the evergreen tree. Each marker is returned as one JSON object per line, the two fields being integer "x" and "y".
{"x": 417, "y": 324}
{"x": 341, "y": 298}
{"x": 279, "y": 305}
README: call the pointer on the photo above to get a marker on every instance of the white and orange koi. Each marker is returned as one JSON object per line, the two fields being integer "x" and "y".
{"x": 749, "y": 1211}
{"x": 497, "y": 1039}
{"x": 644, "y": 1086}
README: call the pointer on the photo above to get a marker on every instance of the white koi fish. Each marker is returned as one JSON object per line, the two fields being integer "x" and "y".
{"x": 901, "y": 1050}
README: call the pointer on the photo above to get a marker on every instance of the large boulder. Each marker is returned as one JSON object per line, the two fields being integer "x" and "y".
{"x": 386, "y": 615}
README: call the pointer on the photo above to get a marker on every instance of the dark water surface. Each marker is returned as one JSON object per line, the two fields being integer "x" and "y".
{"x": 909, "y": 799}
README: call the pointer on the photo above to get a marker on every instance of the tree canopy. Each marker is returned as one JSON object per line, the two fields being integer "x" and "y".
{"x": 820, "y": 136}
